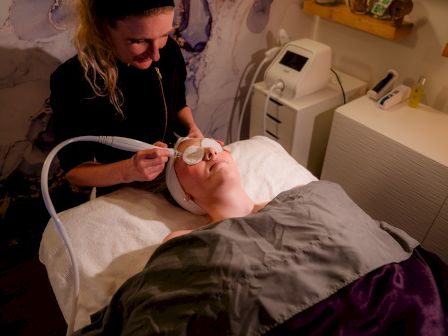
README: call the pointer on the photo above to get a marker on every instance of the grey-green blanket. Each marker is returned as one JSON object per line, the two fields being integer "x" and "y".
{"x": 243, "y": 276}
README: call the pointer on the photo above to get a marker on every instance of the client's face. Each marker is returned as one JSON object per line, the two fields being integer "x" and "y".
{"x": 215, "y": 172}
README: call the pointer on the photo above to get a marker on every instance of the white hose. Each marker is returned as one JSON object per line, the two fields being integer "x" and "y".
{"x": 117, "y": 142}
{"x": 269, "y": 55}
{"x": 61, "y": 230}
{"x": 279, "y": 86}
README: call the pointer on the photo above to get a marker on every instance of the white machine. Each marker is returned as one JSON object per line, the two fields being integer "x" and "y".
{"x": 295, "y": 103}
{"x": 303, "y": 66}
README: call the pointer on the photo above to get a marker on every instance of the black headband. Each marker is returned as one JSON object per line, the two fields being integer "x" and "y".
{"x": 114, "y": 9}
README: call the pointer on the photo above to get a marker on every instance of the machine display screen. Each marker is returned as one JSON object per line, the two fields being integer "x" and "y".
{"x": 293, "y": 60}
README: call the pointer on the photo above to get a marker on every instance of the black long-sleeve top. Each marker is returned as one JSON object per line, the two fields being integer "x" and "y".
{"x": 78, "y": 111}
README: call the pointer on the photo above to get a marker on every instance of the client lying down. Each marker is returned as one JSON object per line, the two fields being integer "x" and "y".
{"x": 212, "y": 180}
{"x": 257, "y": 268}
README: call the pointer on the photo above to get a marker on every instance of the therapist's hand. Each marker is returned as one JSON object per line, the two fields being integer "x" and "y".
{"x": 149, "y": 163}
{"x": 145, "y": 165}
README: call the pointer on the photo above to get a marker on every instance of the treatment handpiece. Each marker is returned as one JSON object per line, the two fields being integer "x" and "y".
{"x": 132, "y": 145}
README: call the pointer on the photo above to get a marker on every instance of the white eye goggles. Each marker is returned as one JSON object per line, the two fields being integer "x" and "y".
{"x": 191, "y": 156}
{"x": 194, "y": 154}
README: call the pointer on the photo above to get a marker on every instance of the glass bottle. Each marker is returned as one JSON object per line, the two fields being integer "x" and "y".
{"x": 417, "y": 92}
{"x": 359, "y": 6}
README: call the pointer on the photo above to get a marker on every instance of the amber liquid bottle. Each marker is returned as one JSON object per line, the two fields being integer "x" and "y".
{"x": 417, "y": 92}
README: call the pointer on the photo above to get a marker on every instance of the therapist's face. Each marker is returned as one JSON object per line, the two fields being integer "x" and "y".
{"x": 216, "y": 172}
{"x": 137, "y": 40}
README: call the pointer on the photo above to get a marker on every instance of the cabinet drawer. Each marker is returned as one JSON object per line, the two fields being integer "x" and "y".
{"x": 279, "y": 121}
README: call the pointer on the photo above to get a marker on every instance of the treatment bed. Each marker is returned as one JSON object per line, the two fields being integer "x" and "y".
{"x": 115, "y": 235}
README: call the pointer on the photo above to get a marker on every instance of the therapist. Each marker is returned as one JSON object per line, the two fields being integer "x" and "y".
{"x": 127, "y": 79}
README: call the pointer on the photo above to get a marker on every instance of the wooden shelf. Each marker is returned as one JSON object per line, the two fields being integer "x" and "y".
{"x": 342, "y": 14}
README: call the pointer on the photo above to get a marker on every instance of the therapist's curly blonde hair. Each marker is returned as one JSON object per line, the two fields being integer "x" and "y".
{"x": 96, "y": 52}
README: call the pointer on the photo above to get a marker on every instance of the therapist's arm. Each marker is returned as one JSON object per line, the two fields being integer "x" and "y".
{"x": 145, "y": 165}
{"x": 185, "y": 116}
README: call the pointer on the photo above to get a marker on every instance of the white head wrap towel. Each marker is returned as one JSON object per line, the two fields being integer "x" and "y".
{"x": 175, "y": 187}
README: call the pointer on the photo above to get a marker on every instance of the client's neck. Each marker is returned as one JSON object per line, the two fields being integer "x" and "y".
{"x": 235, "y": 203}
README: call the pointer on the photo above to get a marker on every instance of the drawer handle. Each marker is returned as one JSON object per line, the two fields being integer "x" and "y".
{"x": 275, "y": 102}
{"x": 274, "y": 119}
{"x": 272, "y": 135}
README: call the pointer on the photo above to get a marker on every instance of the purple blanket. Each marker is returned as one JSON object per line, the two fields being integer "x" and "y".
{"x": 408, "y": 298}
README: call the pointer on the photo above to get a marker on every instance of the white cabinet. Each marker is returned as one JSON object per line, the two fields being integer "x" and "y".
{"x": 394, "y": 164}
{"x": 301, "y": 125}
